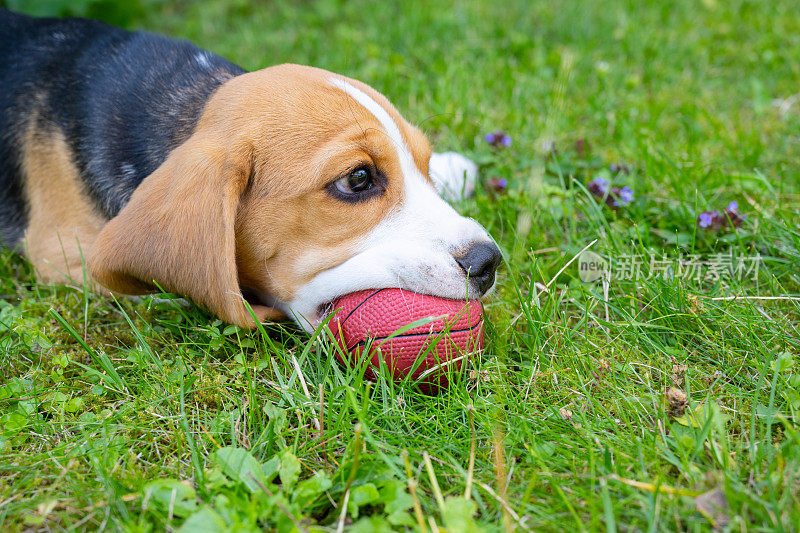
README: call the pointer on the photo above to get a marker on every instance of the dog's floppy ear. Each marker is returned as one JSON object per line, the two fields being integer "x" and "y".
{"x": 177, "y": 230}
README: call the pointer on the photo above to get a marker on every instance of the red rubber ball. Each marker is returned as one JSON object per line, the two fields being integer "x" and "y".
{"x": 377, "y": 314}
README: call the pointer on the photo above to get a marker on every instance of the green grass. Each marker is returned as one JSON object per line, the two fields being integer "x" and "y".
{"x": 143, "y": 416}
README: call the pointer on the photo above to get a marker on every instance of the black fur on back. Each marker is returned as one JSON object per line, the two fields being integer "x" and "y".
{"x": 122, "y": 99}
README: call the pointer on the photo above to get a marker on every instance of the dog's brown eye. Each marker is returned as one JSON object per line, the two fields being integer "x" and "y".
{"x": 359, "y": 180}
{"x": 358, "y": 185}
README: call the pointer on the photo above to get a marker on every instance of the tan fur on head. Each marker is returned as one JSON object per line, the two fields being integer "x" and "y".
{"x": 242, "y": 202}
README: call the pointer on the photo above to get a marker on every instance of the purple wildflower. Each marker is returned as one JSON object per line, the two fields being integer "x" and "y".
{"x": 706, "y": 218}
{"x": 498, "y": 138}
{"x": 599, "y": 186}
{"x": 612, "y": 196}
{"x": 496, "y": 185}
{"x": 717, "y": 220}
{"x": 732, "y": 215}
{"x": 624, "y": 196}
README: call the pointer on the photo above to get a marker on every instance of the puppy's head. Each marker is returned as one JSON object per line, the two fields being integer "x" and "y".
{"x": 297, "y": 186}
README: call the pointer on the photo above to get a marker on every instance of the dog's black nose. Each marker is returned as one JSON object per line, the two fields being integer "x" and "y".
{"x": 480, "y": 262}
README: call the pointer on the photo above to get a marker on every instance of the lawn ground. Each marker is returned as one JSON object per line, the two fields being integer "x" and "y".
{"x": 663, "y": 399}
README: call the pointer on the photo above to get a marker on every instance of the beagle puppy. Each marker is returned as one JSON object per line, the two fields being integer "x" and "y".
{"x": 136, "y": 162}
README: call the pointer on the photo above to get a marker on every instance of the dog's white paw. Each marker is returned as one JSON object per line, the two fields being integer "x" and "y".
{"x": 454, "y": 175}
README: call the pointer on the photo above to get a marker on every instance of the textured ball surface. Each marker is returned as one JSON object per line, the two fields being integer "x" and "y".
{"x": 376, "y": 314}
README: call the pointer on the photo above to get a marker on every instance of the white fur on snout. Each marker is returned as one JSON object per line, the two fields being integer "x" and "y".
{"x": 412, "y": 248}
